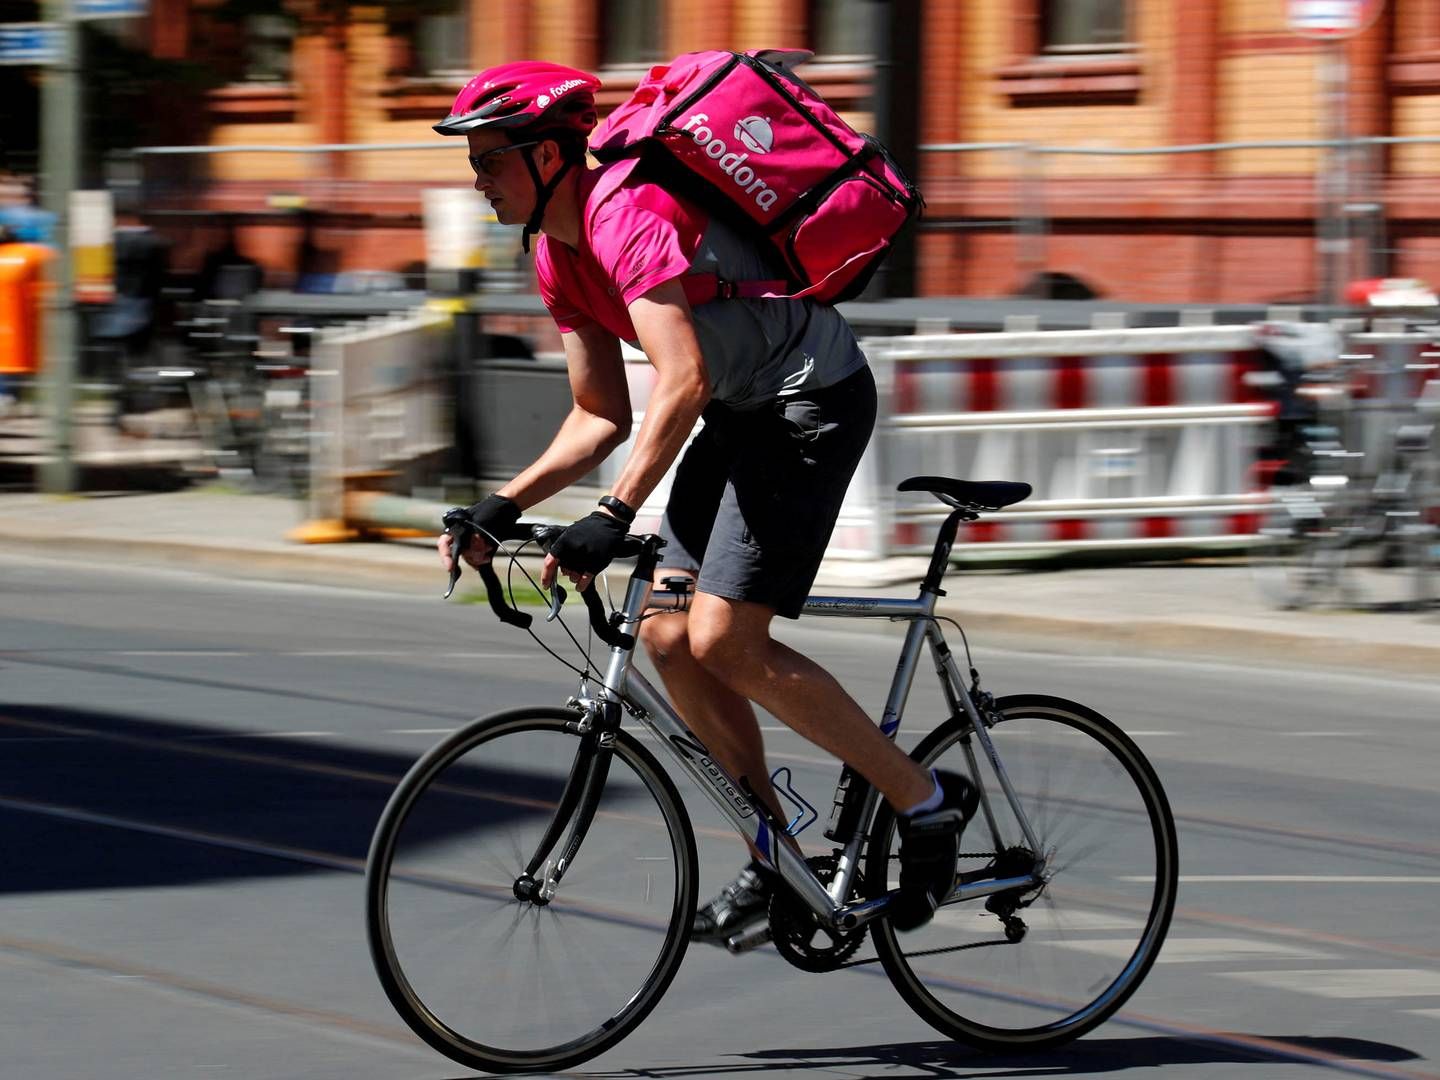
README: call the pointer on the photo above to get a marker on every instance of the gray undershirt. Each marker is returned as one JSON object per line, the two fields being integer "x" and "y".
{"x": 761, "y": 350}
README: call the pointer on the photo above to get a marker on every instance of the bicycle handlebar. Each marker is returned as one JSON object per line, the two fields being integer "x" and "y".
{"x": 459, "y": 525}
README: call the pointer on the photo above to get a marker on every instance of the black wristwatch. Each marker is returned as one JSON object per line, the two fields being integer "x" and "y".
{"x": 618, "y": 508}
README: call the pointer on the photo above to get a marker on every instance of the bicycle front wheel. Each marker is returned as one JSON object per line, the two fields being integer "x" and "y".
{"x": 498, "y": 982}
{"x": 1042, "y": 966}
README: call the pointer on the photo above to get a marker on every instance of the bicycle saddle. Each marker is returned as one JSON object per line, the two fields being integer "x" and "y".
{"x": 969, "y": 494}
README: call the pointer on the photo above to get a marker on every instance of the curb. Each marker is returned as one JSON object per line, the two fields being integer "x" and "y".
{"x": 326, "y": 565}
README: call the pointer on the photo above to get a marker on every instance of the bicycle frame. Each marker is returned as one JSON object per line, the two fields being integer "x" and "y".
{"x": 855, "y": 799}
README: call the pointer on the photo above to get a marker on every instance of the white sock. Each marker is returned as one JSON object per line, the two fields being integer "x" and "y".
{"x": 926, "y": 805}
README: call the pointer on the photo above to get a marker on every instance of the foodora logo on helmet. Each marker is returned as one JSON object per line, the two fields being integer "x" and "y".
{"x": 754, "y": 133}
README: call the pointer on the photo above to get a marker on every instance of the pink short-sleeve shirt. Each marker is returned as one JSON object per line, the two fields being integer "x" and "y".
{"x": 634, "y": 236}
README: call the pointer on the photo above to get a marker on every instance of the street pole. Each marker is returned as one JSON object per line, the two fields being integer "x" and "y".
{"x": 59, "y": 159}
{"x": 896, "y": 104}
{"x": 1334, "y": 238}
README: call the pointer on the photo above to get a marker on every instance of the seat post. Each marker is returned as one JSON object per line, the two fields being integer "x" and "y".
{"x": 940, "y": 557}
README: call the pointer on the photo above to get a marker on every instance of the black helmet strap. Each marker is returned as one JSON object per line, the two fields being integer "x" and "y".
{"x": 543, "y": 191}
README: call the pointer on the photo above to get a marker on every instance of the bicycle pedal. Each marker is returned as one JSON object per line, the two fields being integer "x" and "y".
{"x": 749, "y": 939}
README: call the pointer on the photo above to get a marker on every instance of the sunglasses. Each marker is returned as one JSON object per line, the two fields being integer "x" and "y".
{"x": 489, "y": 162}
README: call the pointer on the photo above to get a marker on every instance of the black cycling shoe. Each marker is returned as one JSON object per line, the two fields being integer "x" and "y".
{"x": 929, "y": 850}
{"x": 742, "y": 903}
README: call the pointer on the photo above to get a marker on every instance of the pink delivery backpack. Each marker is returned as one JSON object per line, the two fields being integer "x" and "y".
{"x": 744, "y": 137}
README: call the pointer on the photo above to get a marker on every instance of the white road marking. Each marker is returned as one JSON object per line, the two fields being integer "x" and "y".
{"x": 1295, "y": 879}
{"x": 1435, "y": 1013}
{"x": 1071, "y": 920}
{"x": 1324, "y": 734}
{"x": 1352, "y": 983}
{"x": 1200, "y": 950}
{"x": 264, "y": 735}
{"x": 318, "y": 653}
{"x": 206, "y": 653}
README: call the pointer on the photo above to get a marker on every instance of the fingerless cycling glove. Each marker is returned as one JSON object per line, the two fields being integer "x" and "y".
{"x": 495, "y": 514}
{"x": 589, "y": 544}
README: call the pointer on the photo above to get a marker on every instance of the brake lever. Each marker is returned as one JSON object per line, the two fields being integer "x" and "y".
{"x": 459, "y": 529}
{"x": 557, "y": 600}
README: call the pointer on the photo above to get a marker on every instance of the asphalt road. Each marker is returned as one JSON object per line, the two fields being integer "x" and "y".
{"x": 190, "y": 770}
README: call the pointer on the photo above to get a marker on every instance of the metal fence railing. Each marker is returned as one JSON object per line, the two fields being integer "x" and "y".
{"x": 1009, "y": 187}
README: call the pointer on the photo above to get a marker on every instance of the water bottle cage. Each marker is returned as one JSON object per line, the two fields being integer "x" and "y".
{"x": 805, "y": 814}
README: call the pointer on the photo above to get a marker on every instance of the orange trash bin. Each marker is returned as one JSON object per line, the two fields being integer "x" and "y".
{"x": 22, "y": 292}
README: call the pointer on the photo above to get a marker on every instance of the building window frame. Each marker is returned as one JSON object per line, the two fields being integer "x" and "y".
{"x": 1041, "y": 74}
{"x": 1047, "y": 29}
{"x": 269, "y": 43}
{"x": 836, "y": 24}
{"x": 642, "y": 43}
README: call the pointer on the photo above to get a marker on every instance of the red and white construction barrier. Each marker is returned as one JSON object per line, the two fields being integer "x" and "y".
{"x": 1129, "y": 437}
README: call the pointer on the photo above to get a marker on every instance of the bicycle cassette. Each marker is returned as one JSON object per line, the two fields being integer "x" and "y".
{"x": 798, "y": 935}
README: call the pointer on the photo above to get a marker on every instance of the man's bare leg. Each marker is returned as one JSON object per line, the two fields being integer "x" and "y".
{"x": 724, "y": 720}
{"x": 730, "y": 639}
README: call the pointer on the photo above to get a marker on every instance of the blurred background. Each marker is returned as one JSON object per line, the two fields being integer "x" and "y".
{"x": 1174, "y": 260}
{"x": 1176, "y": 270}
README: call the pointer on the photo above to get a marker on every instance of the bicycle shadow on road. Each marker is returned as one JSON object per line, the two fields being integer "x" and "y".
{"x": 96, "y": 800}
{"x": 1086, "y": 1057}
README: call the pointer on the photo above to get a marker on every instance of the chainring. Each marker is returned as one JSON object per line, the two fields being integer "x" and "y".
{"x": 800, "y": 938}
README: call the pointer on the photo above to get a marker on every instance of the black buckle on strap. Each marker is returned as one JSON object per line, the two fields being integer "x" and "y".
{"x": 726, "y": 290}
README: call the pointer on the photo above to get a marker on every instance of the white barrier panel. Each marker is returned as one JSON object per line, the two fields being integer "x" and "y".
{"x": 380, "y": 403}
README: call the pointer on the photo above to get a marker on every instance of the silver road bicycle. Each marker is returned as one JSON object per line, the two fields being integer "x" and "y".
{"x": 532, "y": 881}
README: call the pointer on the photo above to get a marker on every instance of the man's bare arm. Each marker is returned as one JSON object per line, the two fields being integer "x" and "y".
{"x": 598, "y": 422}
{"x": 682, "y": 388}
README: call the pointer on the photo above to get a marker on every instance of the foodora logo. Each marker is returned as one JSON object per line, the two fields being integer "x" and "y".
{"x": 753, "y": 133}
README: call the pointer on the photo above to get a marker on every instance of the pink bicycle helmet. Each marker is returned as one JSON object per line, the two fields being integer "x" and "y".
{"x": 528, "y": 94}
{"x": 530, "y": 98}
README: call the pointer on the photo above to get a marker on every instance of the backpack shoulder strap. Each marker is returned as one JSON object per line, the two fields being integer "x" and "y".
{"x": 707, "y": 288}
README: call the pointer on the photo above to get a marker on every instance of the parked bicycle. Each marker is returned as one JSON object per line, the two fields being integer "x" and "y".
{"x": 1347, "y": 526}
{"x": 531, "y": 883}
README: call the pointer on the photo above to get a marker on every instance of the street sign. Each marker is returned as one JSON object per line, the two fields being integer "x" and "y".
{"x": 31, "y": 43}
{"x": 1331, "y": 19}
{"x": 107, "y": 9}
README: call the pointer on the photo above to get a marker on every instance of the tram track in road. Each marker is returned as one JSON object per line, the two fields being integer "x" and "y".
{"x": 202, "y": 746}
{"x": 345, "y": 1024}
{"x": 112, "y": 967}
{"x": 1273, "y": 1049}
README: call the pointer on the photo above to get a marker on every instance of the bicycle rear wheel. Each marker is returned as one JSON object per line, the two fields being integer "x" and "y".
{"x": 1389, "y": 561}
{"x": 1038, "y": 968}
{"x": 504, "y": 984}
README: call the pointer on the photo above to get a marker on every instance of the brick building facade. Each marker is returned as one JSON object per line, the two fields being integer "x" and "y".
{"x": 1126, "y": 75}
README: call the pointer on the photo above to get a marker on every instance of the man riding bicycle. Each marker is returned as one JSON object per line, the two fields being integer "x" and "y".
{"x": 788, "y": 403}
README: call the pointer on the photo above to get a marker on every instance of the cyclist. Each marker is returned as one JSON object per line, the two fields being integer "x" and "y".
{"x": 788, "y": 403}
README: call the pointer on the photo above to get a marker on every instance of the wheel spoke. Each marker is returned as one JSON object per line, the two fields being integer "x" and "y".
{"x": 1041, "y": 968}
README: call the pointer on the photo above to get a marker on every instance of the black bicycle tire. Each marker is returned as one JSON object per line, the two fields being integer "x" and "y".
{"x": 998, "y": 1040}
{"x": 434, "y": 1032}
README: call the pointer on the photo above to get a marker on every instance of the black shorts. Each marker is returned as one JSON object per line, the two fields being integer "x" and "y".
{"x": 757, "y": 493}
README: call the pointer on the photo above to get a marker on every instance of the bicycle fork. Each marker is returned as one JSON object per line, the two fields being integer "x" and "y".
{"x": 577, "y": 806}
